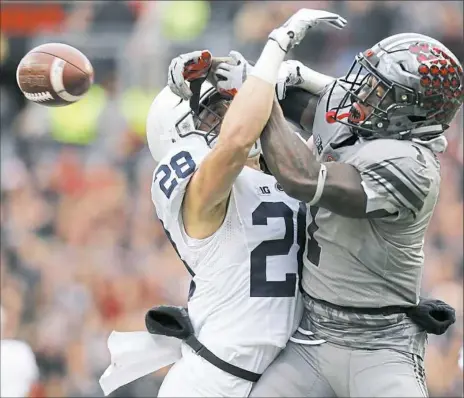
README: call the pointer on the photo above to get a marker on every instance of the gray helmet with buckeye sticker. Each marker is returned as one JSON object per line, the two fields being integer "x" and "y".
{"x": 406, "y": 86}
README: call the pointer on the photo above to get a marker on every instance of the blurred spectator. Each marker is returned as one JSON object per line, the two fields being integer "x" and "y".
{"x": 82, "y": 252}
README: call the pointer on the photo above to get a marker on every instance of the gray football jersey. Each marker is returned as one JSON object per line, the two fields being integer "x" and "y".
{"x": 378, "y": 261}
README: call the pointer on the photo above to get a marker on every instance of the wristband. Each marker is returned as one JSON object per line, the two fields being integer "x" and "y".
{"x": 320, "y": 185}
{"x": 268, "y": 65}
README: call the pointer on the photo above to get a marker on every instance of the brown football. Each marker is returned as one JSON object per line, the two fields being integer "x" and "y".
{"x": 54, "y": 74}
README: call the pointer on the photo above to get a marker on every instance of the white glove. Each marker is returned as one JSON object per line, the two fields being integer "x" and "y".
{"x": 294, "y": 30}
{"x": 188, "y": 67}
{"x": 230, "y": 76}
{"x": 289, "y": 76}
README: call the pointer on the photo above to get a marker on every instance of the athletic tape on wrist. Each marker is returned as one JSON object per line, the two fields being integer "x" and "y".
{"x": 268, "y": 65}
{"x": 320, "y": 185}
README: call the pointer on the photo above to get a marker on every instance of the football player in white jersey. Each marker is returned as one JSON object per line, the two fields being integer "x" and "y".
{"x": 237, "y": 233}
{"x": 231, "y": 224}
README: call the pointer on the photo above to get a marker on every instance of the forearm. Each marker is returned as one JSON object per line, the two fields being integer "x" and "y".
{"x": 288, "y": 158}
{"x": 247, "y": 116}
{"x": 251, "y": 106}
{"x": 293, "y": 164}
{"x": 242, "y": 125}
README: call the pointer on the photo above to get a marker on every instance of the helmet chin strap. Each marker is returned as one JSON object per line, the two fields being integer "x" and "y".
{"x": 429, "y": 130}
{"x": 195, "y": 88}
{"x": 425, "y": 131}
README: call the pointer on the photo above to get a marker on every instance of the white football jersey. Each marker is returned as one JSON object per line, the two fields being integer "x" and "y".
{"x": 244, "y": 298}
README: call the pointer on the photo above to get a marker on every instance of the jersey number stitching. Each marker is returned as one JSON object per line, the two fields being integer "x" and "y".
{"x": 259, "y": 285}
{"x": 182, "y": 164}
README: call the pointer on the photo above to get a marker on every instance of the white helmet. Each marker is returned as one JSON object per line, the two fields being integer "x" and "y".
{"x": 171, "y": 119}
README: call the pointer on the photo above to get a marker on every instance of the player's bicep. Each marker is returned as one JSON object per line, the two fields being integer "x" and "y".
{"x": 343, "y": 193}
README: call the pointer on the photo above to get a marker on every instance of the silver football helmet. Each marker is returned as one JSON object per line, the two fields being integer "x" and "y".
{"x": 406, "y": 86}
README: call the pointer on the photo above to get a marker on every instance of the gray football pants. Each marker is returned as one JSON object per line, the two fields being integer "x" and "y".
{"x": 330, "y": 370}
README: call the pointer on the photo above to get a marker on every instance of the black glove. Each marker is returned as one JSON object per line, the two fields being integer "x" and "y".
{"x": 434, "y": 316}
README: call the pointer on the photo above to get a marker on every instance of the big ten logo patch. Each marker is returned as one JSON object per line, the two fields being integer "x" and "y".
{"x": 263, "y": 190}
{"x": 318, "y": 143}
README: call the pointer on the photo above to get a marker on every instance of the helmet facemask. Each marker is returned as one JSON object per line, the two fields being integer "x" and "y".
{"x": 210, "y": 116}
{"x": 205, "y": 117}
{"x": 374, "y": 106}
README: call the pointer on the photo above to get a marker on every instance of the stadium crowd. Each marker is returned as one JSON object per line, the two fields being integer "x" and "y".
{"x": 82, "y": 253}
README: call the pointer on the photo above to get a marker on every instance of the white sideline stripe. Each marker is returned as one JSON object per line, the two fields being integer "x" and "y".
{"x": 56, "y": 79}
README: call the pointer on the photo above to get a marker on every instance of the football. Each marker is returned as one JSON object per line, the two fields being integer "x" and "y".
{"x": 54, "y": 74}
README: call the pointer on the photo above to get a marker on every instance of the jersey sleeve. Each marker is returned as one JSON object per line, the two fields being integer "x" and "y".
{"x": 395, "y": 186}
{"x": 170, "y": 180}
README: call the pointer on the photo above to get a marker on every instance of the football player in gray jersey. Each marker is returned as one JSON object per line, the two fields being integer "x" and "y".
{"x": 371, "y": 183}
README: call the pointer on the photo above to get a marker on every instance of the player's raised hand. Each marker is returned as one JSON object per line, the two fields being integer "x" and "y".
{"x": 294, "y": 30}
{"x": 188, "y": 67}
{"x": 289, "y": 76}
{"x": 231, "y": 75}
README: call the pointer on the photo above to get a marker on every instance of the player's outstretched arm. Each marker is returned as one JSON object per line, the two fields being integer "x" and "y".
{"x": 251, "y": 107}
{"x": 300, "y": 174}
{"x": 244, "y": 121}
{"x": 210, "y": 186}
